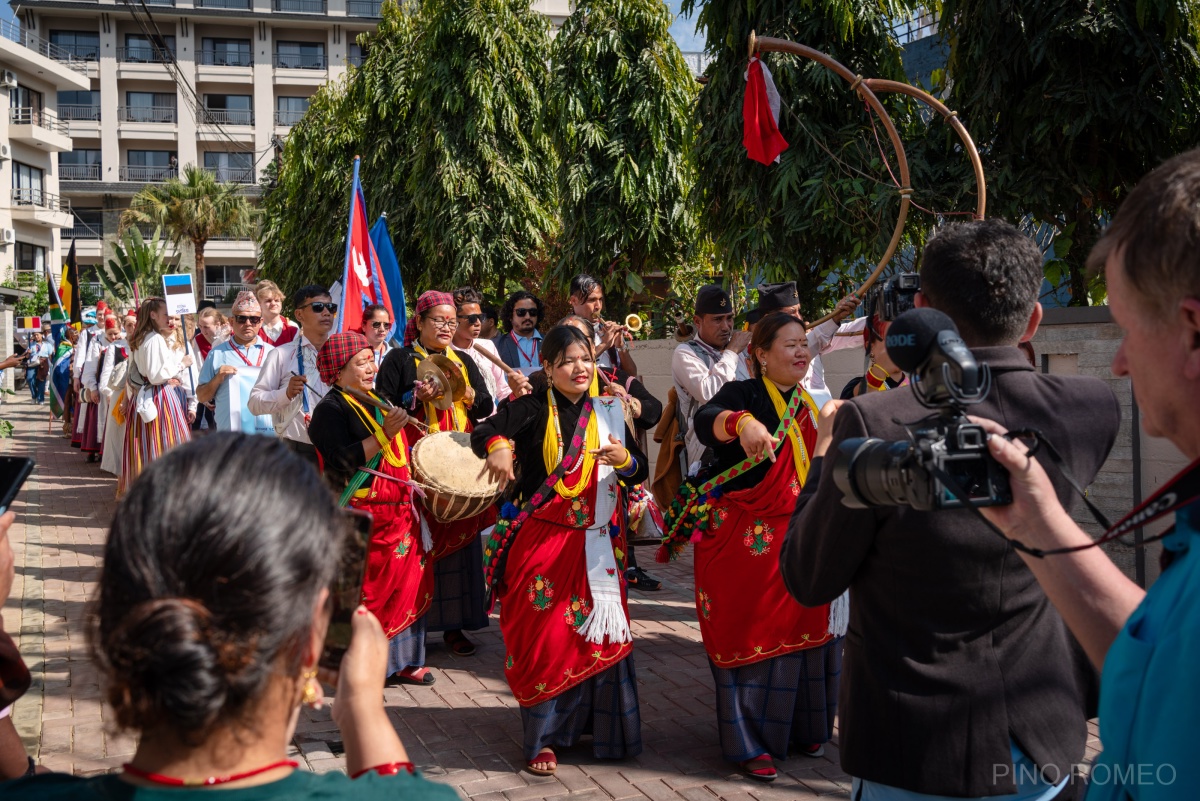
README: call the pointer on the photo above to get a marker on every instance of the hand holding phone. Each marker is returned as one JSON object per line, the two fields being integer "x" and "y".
{"x": 345, "y": 595}
{"x": 13, "y": 472}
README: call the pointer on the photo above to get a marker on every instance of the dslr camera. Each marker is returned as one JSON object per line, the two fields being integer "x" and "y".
{"x": 894, "y": 297}
{"x": 945, "y": 463}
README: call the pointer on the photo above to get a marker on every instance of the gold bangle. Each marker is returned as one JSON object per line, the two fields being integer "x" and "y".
{"x": 503, "y": 444}
{"x": 625, "y": 464}
{"x": 742, "y": 422}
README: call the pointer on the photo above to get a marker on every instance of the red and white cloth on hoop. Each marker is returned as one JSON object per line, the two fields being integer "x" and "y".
{"x": 760, "y": 115}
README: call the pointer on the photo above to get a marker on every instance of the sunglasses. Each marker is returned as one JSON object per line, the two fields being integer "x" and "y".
{"x": 320, "y": 307}
{"x": 242, "y": 319}
{"x": 380, "y": 325}
{"x": 526, "y": 312}
{"x": 472, "y": 319}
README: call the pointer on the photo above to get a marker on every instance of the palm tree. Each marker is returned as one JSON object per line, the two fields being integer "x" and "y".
{"x": 195, "y": 208}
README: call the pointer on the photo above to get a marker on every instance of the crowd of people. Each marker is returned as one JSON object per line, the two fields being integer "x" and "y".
{"x": 957, "y": 663}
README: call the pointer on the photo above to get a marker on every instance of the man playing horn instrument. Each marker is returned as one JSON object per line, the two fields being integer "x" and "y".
{"x": 611, "y": 339}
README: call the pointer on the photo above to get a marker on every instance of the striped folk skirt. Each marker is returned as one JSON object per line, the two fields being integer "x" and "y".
{"x": 90, "y": 436}
{"x": 604, "y": 706}
{"x": 459, "y": 594}
{"x": 145, "y": 442}
{"x": 764, "y": 706}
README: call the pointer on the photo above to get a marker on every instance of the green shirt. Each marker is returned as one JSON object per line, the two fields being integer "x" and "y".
{"x": 298, "y": 786}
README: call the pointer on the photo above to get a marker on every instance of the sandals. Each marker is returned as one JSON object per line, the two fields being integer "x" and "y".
{"x": 638, "y": 579}
{"x": 541, "y": 759}
{"x": 761, "y": 768}
{"x": 458, "y": 643}
{"x": 422, "y": 676}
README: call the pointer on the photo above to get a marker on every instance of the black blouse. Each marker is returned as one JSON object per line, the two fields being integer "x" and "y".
{"x": 651, "y": 406}
{"x": 524, "y": 422}
{"x": 398, "y": 373}
{"x": 338, "y": 432}
{"x": 737, "y": 396}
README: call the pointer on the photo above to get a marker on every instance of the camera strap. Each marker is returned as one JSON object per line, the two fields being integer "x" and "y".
{"x": 1181, "y": 490}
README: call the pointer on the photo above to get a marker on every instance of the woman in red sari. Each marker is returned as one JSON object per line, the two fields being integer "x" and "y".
{"x": 775, "y": 663}
{"x": 459, "y": 600}
{"x": 352, "y": 437}
{"x": 555, "y": 560}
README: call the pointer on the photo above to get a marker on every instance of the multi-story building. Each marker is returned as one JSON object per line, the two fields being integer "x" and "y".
{"x": 32, "y": 137}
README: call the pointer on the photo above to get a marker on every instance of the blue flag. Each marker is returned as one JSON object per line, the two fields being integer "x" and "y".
{"x": 389, "y": 265}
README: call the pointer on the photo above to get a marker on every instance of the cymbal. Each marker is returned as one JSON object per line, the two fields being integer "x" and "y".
{"x": 446, "y": 376}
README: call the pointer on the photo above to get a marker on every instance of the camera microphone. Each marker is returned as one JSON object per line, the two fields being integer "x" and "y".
{"x": 925, "y": 344}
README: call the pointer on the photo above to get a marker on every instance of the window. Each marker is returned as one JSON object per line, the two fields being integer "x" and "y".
{"x": 79, "y": 105}
{"x": 89, "y": 224}
{"x": 226, "y": 52}
{"x": 236, "y": 167}
{"x": 149, "y": 107}
{"x": 77, "y": 44}
{"x": 30, "y": 258}
{"x": 24, "y": 97}
{"x": 231, "y": 109}
{"x": 356, "y": 54}
{"x": 146, "y": 49}
{"x": 28, "y": 183}
{"x": 151, "y": 158}
{"x": 79, "y": 165}
{"x": 149, "y": 165}
{"x": 289, "y": 110}
{"x": 300, "y": 55}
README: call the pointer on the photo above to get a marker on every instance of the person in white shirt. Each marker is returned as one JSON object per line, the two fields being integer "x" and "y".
{"x": 289, "y": 386}
{"x": 276, "y": 329}
{"x": 113, "y": 392}
{"x": 97, "y": 407}
{"x": 155, "y": 417}
{"x": 704, "y": 364}
{"x": 468, "y": 304}
{"x": 611, "y": 339}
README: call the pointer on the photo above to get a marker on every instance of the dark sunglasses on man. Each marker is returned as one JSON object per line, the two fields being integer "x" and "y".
{"x": 242, "y": 319}
{"x": 320, "y": 307}
{"x": 473, "y": 319}
{"x": 526, "y": 312}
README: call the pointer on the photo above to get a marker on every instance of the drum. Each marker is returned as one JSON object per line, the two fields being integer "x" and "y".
{"x": 446, "y": 468}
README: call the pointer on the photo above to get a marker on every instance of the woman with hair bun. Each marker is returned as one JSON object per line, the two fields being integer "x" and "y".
{"x": 212, "y": 609}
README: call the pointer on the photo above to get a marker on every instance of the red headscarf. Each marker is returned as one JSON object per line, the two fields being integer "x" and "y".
{"x": 336, "y": 352}
{"x": 424, "y": 303}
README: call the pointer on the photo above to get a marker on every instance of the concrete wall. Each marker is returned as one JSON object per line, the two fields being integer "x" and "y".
{"x": 1070, "y": 341}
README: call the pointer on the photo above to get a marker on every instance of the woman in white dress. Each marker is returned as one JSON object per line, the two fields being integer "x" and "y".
{"x": 112, "y": 391}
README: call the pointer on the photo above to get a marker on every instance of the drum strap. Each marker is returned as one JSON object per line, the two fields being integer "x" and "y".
{"x": 394, "y": 449}
{"x": 512, "y": 518}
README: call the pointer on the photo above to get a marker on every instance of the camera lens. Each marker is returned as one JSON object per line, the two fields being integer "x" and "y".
{"x": 871, "y": 472}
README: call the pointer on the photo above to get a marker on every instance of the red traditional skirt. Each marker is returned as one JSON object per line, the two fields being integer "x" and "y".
{"x": 545, "y": 597}
{"x": 746, "y": 614}
{"x": 399, "y": 581}
{"x": 454, "y": 536}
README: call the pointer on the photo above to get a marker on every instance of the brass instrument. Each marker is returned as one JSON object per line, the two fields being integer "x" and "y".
{"x": 633, "y": 323}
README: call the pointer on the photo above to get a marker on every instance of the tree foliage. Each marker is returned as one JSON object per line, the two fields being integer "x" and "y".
{"x": 303, "y": 239}
{"x": 829, "y": 204}
{"x": 194, "y": 208}
{"x": 482, "y": 174}
{"x": 138, "y": 262}
{"x": 620, "y": 114}
{"x": 1071, "y": 102}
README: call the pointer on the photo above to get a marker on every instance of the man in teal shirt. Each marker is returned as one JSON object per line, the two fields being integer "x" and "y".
{"x": 1147, "y": 642}
{"x": 231, "y": 369}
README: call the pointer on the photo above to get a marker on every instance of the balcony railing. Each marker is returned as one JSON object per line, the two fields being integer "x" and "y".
{"x": 213, "y": 116}
{"x": 299, "y": 6}
{"x": 79, "y": 111}
{"x": 922, "y": 24}
{"x": 28, "y": 196}
{"x": 219, "y": 292}
{"x": 355, "y": 61}
{"x": 233, "y": 175}
{"x": 697, "y": 61}
{"x": 79, "y": 172}
{"x": 288, "y": 117}
{"x": 363, "y": 8}
{"x": 238, "y": 4}
{"x": 42, "y": 118}
{"x": 160, "y": 2}
{"x": 296, "y": 61}
{"x": 145, "y": 54}
{"x": 15, "y": 33}
{"x": 142, "y": 174}
{"x": 225, "y": 58}
{"x": 229, "y": 238}
{"x": 82, "y": 230}
{"x": 83, "y": 52}
{"x": 165, "y": 114}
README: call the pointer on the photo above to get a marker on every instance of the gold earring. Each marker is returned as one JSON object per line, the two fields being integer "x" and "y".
{"x": 313, "y": 694}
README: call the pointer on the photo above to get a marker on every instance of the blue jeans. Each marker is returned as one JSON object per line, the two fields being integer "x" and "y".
{"x": 37, "y": 389}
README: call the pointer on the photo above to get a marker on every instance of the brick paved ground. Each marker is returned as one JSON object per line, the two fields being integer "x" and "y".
{"x": 464, "y": 731}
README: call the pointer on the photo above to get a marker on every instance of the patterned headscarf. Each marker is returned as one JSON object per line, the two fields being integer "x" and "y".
{"x": 336, "y": 352}
{"x": 424, "y": 303}
{"x": 247, "y": 304}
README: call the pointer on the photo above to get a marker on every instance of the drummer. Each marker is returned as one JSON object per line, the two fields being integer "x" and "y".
{"x": 352, "y": 437}
{"x": 459, "y": 600}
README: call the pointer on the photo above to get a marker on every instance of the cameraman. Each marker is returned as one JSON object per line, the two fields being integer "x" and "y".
{"x": 1147, "y": 642}
{"x": 960, "y": 678}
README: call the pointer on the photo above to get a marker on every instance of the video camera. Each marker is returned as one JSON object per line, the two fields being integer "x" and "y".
{"x": 893, "y": 297}
{"x": 945, "y": 451}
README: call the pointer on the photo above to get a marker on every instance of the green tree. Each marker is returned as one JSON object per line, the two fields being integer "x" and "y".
{"x": 482, "y": 177}
{"x": 303, "y": 237}
{"x": 620, "y": 109}
{"x": 194, "y": 208}
{"x": 139, "y": 263}
{"x": 1071, "y": 102}
{"x": 828, "y": 205}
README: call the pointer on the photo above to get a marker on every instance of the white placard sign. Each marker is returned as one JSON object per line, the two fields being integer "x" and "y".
{"x": 181, "y": 298}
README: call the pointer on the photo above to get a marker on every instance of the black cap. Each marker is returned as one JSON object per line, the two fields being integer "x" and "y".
{"x": 711, "y": 299}
{"x": 773, "y": 297}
